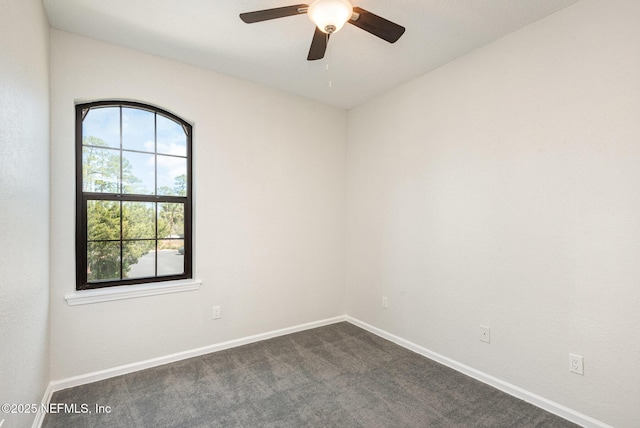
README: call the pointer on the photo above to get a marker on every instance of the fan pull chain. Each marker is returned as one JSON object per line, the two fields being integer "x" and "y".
{"x": 327, "y": 63}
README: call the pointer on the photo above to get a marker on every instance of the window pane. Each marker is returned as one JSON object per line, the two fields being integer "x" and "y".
{"x": 172, "y": 139}
{"x": 170, "y": 220}
{"x": 138, "y": 259}
{"x": 100, "y": 170}
{"x": 172, "y": 176}
{"x": 170, "y": 257}
{"x": 103, "y": 261}
{"x": 138, "y": 173}
{"x": 103, "y": 220}
{"x": 138, "y": 129}
{"x": 138, "y": 220}
{"x": 101, "y": 127}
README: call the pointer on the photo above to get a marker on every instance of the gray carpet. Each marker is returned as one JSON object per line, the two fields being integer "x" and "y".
{"x": 333, "y": 376}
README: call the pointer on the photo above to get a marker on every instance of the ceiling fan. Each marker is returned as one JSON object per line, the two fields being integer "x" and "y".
{"x": 329, "y": 17}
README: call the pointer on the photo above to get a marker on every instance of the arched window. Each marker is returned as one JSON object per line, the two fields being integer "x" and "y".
{"x": 133, "y": 195}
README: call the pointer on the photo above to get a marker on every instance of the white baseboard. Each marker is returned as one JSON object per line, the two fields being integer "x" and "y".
{"x": 516, "y": 391}
{"x": 536, "y": 400}
{"x": 46, "y": 398}
{"x": 61, "y": 384}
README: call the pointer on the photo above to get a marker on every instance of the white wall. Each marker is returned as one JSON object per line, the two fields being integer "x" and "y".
{"x": 24, "y": 198}
{"x": 269, "y": 209}
{"x": 504, "y": 189}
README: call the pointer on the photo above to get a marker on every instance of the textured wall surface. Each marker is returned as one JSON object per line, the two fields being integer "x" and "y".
{"x": 269, "y": 209}
{"x": 502, "y": 189}
{"x": 24, "y": 205}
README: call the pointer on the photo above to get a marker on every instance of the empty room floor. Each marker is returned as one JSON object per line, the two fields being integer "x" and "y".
{"x": 334, "y": 376}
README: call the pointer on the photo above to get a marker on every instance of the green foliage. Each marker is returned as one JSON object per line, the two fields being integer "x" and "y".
{"x": 107, "y": 255}
{"x": 103, "y": 220}
{"x": 180, "y": 185}
{"x": 103, "y": 261}
{"x": 103, "y": 224}
{"x": 138, "y": 222}
{"x": 171, "y": 217}
{"x": 101, "y": 169}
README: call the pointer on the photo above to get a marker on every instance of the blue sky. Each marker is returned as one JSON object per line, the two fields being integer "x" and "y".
{"x": 138, "y": 134}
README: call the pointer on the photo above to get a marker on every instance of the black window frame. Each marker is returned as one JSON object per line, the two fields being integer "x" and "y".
{"x": 83, "y": 197}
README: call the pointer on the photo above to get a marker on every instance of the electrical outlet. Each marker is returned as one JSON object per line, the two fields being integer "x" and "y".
{"x": 385, "y": 302}
{"x": 485, "y": 333}
{"x": 576, "y": 364}
{"x": 216, "y": 312}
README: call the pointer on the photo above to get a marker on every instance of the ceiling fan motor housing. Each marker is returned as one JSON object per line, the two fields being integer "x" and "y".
{"x": 330, "y": 15}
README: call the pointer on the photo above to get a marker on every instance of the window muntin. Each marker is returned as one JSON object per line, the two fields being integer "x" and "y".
{"x": 133, "y": 167}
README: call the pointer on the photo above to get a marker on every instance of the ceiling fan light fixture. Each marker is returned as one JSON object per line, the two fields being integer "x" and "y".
{"x": 330, "y": 15}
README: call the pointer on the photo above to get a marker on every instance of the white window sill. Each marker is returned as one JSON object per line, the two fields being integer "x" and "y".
{"x": 85, "y": 297}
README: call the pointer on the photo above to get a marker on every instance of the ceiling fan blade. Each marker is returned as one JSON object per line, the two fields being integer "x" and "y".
{"x": 378, "y": 26}
{"x": 318, "y": 45}
{"x": 278, "y": 12}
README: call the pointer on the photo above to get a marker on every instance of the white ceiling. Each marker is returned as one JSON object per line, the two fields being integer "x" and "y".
{"x": 209, "y": 34}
